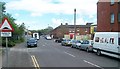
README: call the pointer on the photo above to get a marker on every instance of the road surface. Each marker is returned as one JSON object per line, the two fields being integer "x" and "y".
{"x": 52, "y": 55}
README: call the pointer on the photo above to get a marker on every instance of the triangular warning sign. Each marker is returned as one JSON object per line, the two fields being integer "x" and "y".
{"x": 6, "y": 26}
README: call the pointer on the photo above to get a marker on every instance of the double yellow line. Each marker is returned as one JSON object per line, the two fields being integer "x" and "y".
{"x": 36, "y": 65}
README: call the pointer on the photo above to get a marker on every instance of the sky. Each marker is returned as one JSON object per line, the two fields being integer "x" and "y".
{"x": 39, "y": 14}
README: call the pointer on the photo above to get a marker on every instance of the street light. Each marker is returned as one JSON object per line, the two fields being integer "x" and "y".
{"x": 75, "y": 24}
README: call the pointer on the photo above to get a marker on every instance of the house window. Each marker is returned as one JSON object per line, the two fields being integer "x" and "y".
{"x": 119, "y": 17}
{"x": 112, "y": 2}
{"x": 112, "y": 18}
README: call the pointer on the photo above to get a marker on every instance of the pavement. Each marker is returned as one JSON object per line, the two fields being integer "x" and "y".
{"x": 0, "y": 56}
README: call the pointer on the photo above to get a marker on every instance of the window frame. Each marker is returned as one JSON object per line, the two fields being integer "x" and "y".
{"x": 112, "y": 2}
{"x": 119, "y": 17}
{"x": 112, "y": 18}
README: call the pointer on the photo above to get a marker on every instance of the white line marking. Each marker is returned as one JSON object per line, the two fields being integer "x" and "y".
{"x": 69, "y": 54}
{"x": 43, "y": 45}
{"x": 92, "y": 64}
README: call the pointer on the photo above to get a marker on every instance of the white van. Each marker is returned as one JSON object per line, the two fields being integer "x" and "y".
{"x": 36, "y": 35}
{"x": 107, "y": 43}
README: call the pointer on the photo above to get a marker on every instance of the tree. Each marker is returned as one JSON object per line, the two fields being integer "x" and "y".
{"x": 2, "y": 9}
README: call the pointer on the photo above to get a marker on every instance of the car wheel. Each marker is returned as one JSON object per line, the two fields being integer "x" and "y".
{"x": 80, "y": 48}
{"x": 87, "y": 49}
{"x": 98, "y": 52}
{"x": 27, "y": 46}
{"x": 76, "y": 47}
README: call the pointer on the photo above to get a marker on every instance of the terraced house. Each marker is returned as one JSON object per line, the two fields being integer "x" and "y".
{"x": 108, "y": 16}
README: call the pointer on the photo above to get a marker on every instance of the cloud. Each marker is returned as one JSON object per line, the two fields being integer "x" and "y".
{"x": 57, "y": 21}
{"x": 79, "y": 21}
{"x": 41, "y": 7}
{"x": 31, "y": 25}
{"x": 17, "y": 15}
{"x": 48, "y": 6}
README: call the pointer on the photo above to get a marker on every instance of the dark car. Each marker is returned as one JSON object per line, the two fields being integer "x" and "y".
{"x": 59, "y": 40}
{"x": 32, "y": 42}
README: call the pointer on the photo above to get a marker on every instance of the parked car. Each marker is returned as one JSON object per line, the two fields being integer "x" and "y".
{"x": 48, "y": 37}
{"x": 76, "y": 44}
{"x": 59, "y": 40}
{"x": 87, "y": 45}
{"x": 66, "y": 42}
{"x": 31, "y": 42}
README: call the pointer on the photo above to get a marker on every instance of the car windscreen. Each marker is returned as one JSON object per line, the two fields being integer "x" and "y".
{"x": 78, "y": 41}
{"x": 85, "y": 42}
{"x": 32, "y": 40}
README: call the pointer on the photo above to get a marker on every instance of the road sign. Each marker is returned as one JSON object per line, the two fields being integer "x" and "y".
{"x": 6, "y": 34}
{"x": 6, "y": 26}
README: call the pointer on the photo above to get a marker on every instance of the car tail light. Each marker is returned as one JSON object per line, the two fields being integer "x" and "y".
{"x": 90, "y": 46}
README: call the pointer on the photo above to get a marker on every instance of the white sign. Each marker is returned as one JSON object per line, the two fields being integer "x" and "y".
{"x": 6, "y": 34}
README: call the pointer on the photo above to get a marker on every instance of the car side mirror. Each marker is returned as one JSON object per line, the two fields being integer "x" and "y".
{"x": 92, "y": 43}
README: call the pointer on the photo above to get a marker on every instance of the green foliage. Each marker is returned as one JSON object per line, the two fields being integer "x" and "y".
{"x": 43, "y": 31}
{"x": 10, "y": 43}
{"x": 17, "y": 35}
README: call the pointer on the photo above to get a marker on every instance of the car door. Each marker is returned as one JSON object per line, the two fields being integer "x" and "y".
{"x": 82, "y": 44}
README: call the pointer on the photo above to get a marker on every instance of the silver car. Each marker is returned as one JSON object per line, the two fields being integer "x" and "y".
{"x": 87, "y": 45}
{"x": 76, "y": 44}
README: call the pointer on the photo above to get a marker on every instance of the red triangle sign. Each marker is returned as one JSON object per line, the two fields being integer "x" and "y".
{"x": 6, "y": 26}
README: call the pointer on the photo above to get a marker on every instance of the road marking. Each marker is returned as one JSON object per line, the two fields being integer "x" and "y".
{"x": 36, "y": 65}
{"x": 69, "y": 54}
{"x": 43, "y": 45}
{"x": 92, "y": 64}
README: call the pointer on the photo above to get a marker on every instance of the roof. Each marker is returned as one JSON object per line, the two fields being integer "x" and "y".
{"x": 73, "y": 26}
{"x": 78, "y": 26}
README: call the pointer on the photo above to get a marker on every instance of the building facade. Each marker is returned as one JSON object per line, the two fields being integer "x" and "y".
{"x": 66, "y": 29}
{"x": 108, "y": 16}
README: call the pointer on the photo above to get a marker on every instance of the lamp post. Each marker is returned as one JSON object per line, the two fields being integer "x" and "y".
{"x": 75, "y": 24}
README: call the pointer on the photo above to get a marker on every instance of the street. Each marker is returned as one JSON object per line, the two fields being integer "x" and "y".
{"x": 51, "y": 54}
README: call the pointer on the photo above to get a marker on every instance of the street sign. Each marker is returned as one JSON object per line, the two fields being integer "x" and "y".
{"x": 5, "y": 31}
{"x": 6, "y": 26}
{"x": 6, "y": 34}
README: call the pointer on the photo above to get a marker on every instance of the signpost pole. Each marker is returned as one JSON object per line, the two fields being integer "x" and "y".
{"x": 6, "y": 28}
{"x": 7, "y": 52}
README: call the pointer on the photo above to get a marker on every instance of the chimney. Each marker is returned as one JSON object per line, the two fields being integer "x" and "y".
{"x": 61, "y": 24}
{"x": 66, "y": 23}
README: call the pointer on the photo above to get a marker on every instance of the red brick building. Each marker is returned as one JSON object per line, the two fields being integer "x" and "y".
{"x": 108, "y": 16}
{"x": 61, "y": 30}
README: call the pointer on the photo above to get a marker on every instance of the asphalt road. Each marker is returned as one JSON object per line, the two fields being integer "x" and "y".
{"x": 50, "y": 54}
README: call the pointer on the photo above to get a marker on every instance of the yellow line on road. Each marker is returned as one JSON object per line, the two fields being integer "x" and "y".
{"x": 36, "y": 65}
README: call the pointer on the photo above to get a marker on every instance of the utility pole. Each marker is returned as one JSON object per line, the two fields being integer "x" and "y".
{"x": 75, "y": 24}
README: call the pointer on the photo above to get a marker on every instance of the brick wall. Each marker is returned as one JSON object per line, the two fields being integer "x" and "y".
{"x": 104, "y": 10}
